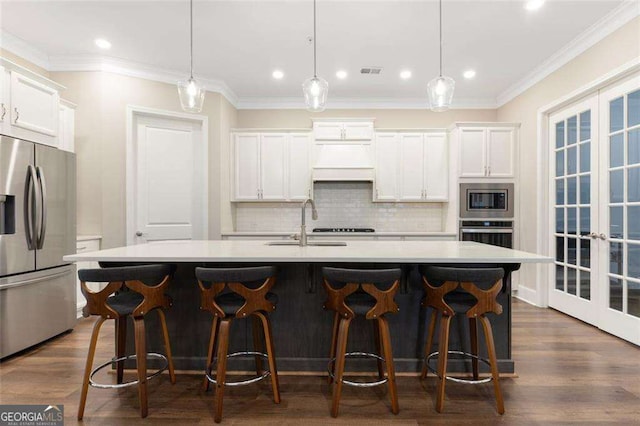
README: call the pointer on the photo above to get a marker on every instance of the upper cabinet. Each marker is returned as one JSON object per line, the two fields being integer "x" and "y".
{"x": 30, "y": 104}
{"x": 271, "y": 166}
{"x": 66, "y": 126}
{"x": 353, "y": 130}
{"x": 411, "y": 167}
{"x": 486, "y": 151}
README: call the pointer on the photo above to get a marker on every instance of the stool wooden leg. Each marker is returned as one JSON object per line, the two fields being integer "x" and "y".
{"x": 341, "y": 349}
{"x": 223, "y": 346}
{"x": 379, "y": 350}
{"x": 167, "y": 345}
{"x": 258, "y": 332}
{"x": 385, "y": 336}
{"x": 268, "y": 338}
{"x": 212, "y": 343}
{"x": 141, "y": 361}
{"x": 89, "y": 365}
{"x": 429, "y": 343}
{"x": 334, "y": 342}
{"x": 488, "y": 334}
{"x": 121, "y": 344}
{"x": 473, "y": 334}
{"x": 445, "y": 320}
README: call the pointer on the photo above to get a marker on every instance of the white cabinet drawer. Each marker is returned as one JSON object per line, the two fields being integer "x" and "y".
{"x": 87, "y": 246}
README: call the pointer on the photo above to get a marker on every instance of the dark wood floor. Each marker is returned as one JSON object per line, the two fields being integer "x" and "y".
{"x": 568, "y": 372}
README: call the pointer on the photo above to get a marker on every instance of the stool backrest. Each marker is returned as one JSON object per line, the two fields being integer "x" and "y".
{"x": 483, "y": 283}
{"x": 150, "y": 281}
{"x": 381, "y": 284}
{"x": 252, "y": 284}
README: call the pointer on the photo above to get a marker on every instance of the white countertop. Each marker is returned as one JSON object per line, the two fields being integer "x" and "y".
{"x": 354, "y": 251}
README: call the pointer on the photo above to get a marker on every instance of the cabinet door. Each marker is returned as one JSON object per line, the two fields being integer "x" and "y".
{"x": 66, "y": 130}
{"x": 436, "y": 172}
{"x": 4, "y": 97}
{"x": 411, "y": 167}
{"x": 273, "y": 148}
{"x": 358, "y": 131}
{"x": 472, "y": 152}
{"x": 34, "y": 106}
{"x": 327, "y": 130}
{"x": 500, "y": 146}
{"x": 299, "y": 167}
{"x": 246, "y": 173}
{"x": 387, "y": 162}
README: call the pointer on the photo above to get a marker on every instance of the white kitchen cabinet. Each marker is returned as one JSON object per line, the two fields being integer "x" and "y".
{"x": 271, "y": 166}
{"x": 66, "y": 131}
{"x": 85, "y": 245}
{"x": 387, "y": 167}
{"x": 487, "y": 151}
{"x": 4, "y": 99}
{"x": 34, "y": 106}
{"x": 412, "y": 167}
{"x": 353, "y": 130}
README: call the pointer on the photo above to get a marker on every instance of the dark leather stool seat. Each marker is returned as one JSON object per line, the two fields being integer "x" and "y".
{"x": 232, "y": 293}
{"x": 369, "y": 293}
{"x": 466, "y": 291}
{"x": 133, "y": 291}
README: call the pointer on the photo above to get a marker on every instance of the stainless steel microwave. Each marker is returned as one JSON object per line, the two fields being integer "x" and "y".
{"x": 486, "y": 200}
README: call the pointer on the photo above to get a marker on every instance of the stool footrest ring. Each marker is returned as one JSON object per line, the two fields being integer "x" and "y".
{"x": 255, "y": 379}
{"x": 122, "y": 359}
{"x": 358, "y": 384}
{"x": 456, "y": 379}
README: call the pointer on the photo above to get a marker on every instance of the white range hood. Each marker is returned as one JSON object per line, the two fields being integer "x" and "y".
{"x": 343, "y": 162}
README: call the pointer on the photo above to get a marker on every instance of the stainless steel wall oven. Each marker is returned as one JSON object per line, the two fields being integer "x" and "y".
{"x": 486, "y": 213}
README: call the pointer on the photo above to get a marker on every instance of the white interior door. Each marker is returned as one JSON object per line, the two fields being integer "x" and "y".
{"x": 620, "y": 200}
{"x": 170, "y": 198}
{"x": 574, "y": 190}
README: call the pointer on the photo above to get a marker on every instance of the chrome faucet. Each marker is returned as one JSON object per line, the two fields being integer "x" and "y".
{"x": 314, "y": 216}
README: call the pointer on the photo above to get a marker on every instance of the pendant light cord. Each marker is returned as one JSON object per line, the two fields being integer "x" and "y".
{"x": 315, "y": 68}
{"x": 440, "y": 7}
{"x": 191, "y": 36}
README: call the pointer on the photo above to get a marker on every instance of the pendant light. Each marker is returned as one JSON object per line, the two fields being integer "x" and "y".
{"x": 316, "y": 88}
{"x": 190, "y": 92}
{"x": 440, "y": 89}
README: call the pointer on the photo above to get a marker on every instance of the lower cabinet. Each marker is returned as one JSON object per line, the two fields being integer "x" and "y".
{"x": 85, "y": 245}
{"x": 411, "y": 167}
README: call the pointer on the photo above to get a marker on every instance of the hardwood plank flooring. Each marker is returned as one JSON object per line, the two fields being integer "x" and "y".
{"x": 567, "y": 372}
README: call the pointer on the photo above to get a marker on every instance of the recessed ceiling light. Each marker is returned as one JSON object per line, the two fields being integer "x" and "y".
{"x": 533, "y": 4}
{"x": 278, "y": 75}
{"x": 406, "y": 74}
{"x": 102, "y": 43}
{"x": 469, "y": 74}
{"x": 342, "y": 74}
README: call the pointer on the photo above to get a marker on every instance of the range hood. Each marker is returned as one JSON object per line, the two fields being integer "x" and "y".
{"x": 343, "y": 162}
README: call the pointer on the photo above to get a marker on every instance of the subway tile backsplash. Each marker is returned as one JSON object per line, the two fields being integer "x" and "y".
{"x": 341, "y": 205}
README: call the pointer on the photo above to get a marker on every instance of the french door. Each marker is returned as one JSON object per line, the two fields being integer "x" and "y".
{"x": 595, "y": 197}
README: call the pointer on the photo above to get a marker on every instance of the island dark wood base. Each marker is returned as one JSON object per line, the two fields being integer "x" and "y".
{"x": 302, "y": 329}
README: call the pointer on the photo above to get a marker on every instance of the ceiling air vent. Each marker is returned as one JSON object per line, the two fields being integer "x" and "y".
{"x": 371, "y": 70}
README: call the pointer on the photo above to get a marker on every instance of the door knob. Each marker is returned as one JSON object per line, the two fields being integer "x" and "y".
{"x": 602, "y": 237}
{"x": 593, "y": 235}
{"x": 138, "y": 234}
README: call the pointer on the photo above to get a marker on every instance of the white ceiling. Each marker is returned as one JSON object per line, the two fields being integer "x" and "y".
{"x": 242, "y": 42}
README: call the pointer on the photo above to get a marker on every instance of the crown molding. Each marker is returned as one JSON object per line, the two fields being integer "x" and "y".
{"x": 597, "y": 32}
{"x": 134, "y": 69}
{"x": 359, "y": 103}
{"x": 23, "y": 49}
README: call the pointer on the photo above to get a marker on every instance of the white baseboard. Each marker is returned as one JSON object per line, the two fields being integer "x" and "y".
{"x": 528, "y": 295}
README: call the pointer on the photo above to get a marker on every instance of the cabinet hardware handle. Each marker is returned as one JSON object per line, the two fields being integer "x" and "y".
{"x": 81, "y": 248}
{"x": 602, "y": 237}
{"x": 377, "y": 194}
{"x": 17, "y": 114}
{"x": 4, "y": 112}
{"x": 489, "y": 171}
{"x": 139, "y": 234}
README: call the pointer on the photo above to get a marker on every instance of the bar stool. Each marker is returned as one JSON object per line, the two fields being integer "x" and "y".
{"x": 353, "y": 292}
{"x": 132, "y": 291}
{"x": 247, "y": 295}
{"x": 468, "y": 291}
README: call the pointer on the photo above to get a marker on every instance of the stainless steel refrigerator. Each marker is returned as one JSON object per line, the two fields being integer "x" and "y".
{"x": 37, "y": 228}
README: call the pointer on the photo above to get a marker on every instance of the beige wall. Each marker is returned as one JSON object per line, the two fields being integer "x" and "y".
{"x": 615, "y": 50}
{"x": 102, "y": 99}
{"x": 384, "y": 118}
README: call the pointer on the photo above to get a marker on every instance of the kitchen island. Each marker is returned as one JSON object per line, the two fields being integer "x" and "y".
{"x": 302, "y": 329}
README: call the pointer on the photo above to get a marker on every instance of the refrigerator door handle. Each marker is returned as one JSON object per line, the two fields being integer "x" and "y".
{"x": 43, "y": 207}
{"x": 29, "y": 207}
